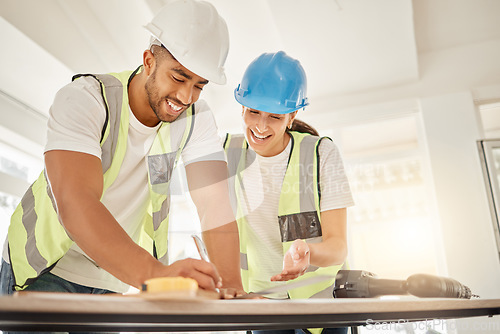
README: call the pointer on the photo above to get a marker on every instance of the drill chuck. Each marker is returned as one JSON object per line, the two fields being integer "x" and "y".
{"x": 364, "y": 284}
{"x": 422, "y": 285}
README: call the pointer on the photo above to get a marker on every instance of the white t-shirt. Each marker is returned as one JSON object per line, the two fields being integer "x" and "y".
{"x": 76, "y": 120}
{"x": 262, "y": 181}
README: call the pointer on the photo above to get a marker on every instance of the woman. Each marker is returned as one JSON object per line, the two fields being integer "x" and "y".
{"x": 289, "y": 188}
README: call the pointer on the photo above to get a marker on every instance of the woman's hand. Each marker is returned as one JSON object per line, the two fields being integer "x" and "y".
{"x": 295, "y": 262}
{"x": 230, "y": 293}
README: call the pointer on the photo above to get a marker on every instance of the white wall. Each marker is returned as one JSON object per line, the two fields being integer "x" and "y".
{"x": 452, "y": 129}
{"x": 453, "y": 81}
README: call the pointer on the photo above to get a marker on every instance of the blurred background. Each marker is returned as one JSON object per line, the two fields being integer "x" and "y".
{"x": 408, "y": 90}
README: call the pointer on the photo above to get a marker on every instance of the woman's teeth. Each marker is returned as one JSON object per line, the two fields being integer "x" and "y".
{"x": 259, "y": 136}
{"x": 173, "y": 106}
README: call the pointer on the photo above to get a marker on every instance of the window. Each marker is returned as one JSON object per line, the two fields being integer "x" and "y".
{"x": 7, "y": 205}
{"x": 390, "y": 228}
{"x": 17, "y": 171}
{"x": 19, "y": 165}
{"x": 489, "y": 150}
{"x": 183, "y": 221}
{"x": 490, "y": 120}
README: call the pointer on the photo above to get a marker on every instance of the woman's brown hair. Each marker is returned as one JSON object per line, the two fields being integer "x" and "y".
{"x": 301, "y": 126}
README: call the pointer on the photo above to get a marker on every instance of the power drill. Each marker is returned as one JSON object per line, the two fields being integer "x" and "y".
{"x": 364, "y": 284}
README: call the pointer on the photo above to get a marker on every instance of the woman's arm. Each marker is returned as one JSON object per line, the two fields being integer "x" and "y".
{"x": 335, "y": 193}
{"x": 332, "y": 250}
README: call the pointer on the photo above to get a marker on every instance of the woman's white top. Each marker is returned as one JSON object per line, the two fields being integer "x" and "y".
{"x": 262, "y": 181}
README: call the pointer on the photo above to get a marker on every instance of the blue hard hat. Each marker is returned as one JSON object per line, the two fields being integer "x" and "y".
{"x": 275, "y": 83}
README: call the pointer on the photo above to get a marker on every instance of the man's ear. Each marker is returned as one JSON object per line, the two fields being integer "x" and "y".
{"x": 148, "y": 62}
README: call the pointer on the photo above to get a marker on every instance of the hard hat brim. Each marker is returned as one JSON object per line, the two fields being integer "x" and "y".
{"x": 266, "y": 106}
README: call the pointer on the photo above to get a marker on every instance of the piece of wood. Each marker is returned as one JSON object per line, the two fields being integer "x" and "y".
{"x": 199, "y": 294}
{"x": 26, "y": 301}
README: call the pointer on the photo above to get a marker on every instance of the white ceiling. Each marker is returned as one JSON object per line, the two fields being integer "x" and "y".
{"x": 346, "y": 46}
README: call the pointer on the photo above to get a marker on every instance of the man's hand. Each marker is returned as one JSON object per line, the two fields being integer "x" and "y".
{"x": 295, "y": 262}
{"x": 203, "y": 272}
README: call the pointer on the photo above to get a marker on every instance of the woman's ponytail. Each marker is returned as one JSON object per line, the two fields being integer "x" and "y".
{"x": 301, "y": 126}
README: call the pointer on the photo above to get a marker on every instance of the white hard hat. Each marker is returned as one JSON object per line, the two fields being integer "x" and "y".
{"x": 195, "y": 34}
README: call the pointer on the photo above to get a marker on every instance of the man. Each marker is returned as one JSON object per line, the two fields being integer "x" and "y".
{"x": 112, "y": 143}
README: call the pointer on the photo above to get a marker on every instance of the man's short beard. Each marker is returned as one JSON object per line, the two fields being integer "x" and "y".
{"x": 151, "y": 91}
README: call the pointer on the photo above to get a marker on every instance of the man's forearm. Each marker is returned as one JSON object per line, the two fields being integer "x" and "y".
{"x": 209, "y": 191}
{"x": 223, "y": 247}
{"x": 99, "y": 235}
{"x": 76, "y": 182}
{"x": 104, "y": 240}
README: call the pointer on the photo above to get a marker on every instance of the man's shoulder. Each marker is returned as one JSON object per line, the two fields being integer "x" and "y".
{"x": 201, "y": 106}
{"x": 83, "y": 92}
{"x": 85, "y": 85}
{"x": 203, "y": 113}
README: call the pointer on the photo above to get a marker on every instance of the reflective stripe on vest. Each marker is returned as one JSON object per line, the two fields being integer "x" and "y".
{"x": 298, "y": 212}
{"x": 36, "y": 238}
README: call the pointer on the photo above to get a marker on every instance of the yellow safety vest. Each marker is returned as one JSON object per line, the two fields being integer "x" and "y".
{"x": 36, "y": 238}
{"x": 298, "y": 212}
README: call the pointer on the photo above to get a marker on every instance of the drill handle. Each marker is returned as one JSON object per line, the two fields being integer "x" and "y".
{"x": 382, "y": 287}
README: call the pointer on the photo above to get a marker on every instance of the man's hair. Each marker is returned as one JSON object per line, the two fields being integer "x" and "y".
{"x": 160, "y": 53}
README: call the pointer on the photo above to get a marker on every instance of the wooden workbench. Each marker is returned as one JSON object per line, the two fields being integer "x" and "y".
{"x": 70, "y": 312}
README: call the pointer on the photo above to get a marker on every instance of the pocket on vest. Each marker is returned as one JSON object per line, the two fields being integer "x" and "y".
{"x": 303, "y": 225}
{"x": 160, "y": 168}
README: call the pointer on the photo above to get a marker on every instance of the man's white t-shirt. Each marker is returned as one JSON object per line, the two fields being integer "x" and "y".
{"x": 75, "y": 124}
{"x": 262, "y": 181}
